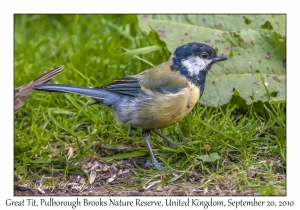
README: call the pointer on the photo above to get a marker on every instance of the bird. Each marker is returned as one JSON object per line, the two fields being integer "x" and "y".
{"x": 155, "y": 98}
{"x": 22, "y": 93}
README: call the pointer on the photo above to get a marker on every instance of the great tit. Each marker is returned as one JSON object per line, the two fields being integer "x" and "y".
{"x": 157, "y": 97}
{"x": 22, "y": 93}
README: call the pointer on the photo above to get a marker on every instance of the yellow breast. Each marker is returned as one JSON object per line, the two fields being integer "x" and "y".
{"x": 167, "y": 109}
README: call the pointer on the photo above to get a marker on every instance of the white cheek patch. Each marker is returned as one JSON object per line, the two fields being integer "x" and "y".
{"x": 195, "y": 64}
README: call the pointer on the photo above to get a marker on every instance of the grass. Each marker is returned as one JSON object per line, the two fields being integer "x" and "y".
{"x": 233, "y": 146}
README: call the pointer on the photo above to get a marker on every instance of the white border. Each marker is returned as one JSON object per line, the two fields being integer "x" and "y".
{"x": 8, "y": 8}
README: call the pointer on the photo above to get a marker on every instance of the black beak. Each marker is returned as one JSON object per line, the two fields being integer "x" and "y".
{"x": 220, "y": 58}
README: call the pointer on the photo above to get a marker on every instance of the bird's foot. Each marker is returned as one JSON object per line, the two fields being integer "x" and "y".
{"x": 155, "y": 164}
{"x": 172, "y": 145}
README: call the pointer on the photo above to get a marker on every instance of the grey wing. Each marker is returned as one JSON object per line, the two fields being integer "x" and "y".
{"x": 129, "y": 86}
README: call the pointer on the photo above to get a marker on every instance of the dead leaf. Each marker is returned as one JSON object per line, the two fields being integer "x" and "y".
{"x": 92, "y": 177}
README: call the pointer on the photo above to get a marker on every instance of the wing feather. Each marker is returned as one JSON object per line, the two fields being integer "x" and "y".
{"x": 129, "y": 86}
{"x": 158, "y": 79}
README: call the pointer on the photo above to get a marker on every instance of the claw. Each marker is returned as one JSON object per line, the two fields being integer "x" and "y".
{"x": 172, "y": 145}
{"x": 155, "y": 164}
{"x": 146, "y": 134}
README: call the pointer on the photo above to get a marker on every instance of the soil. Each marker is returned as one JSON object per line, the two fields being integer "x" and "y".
{"x": 109, "y": 180}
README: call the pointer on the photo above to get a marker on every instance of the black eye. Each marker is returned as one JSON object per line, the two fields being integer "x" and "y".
{"x": 204, "y": 55}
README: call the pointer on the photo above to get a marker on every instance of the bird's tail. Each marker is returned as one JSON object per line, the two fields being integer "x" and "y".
{"x": 103, "y": 96}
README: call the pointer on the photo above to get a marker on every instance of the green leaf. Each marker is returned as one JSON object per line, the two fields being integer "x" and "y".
{"x": 125, "y": 155}
{"x": 115, "y": 146}
{"x": 176, "y": 178}
{"x": 61, "y": 111}
{"x": 39, "y": 160}
{"x": 249, "y": 41}
{"x": 209, "y": 158}
{"x": 137, "y": 51}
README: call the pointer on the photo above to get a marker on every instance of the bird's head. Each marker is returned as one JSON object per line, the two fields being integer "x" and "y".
{"x": 193, "y": 60}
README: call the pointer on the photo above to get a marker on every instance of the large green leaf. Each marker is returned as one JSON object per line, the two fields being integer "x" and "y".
{"x": 254, "y": 43}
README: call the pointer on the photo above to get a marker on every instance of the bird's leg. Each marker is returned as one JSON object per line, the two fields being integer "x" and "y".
{"x": 164, "y": 137}
{"x": 146, "y": 135}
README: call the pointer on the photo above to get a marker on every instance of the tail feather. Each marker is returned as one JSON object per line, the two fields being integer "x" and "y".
{"x": 103, "y": 96}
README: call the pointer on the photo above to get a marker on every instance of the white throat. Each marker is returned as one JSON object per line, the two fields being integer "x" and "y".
{"x": 195, "y": 64}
